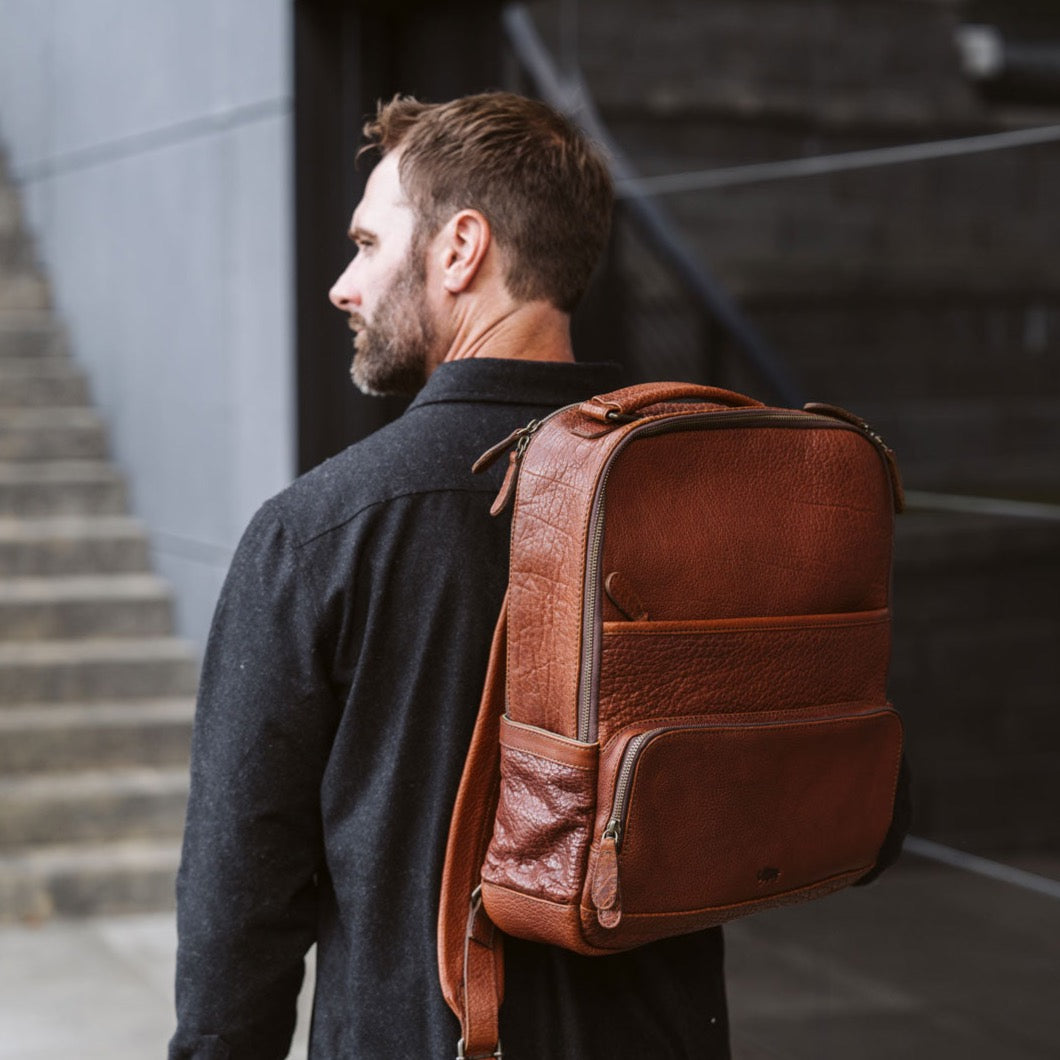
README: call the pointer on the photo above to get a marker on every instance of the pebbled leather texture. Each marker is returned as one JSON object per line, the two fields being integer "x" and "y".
{"x": 544, "y": 816}
{"x": 539, "y": 920}
{"x": 554, "y": 497}
{"x": 655, "y": 669}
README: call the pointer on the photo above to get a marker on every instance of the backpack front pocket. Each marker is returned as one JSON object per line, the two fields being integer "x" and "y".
{"x": 706, "y": 812}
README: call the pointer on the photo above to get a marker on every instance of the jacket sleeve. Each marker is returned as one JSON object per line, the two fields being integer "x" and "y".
{"x": 246, "y": 890}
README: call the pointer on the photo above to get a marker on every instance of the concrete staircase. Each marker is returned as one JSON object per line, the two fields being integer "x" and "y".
{"x": 926, "y": 297}
{"x": 96, "y": 694}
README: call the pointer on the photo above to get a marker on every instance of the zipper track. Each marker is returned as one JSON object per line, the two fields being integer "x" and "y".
{"x": 713, "y": 420}
{"x": 617, "y": 820}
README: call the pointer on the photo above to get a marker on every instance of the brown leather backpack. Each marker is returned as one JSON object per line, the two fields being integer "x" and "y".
{"x": 685, "y": 716}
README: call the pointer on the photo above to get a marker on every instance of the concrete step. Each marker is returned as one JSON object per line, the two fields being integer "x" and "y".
{"x": 88, "y": 880}
{"x": 16, "y": 251}
{"x": 60, "y": 487}
{"x": 95, "y": 670}
{"x": 950, "y": 426}
{"x": 30, "y": 334}
{"x": 995, "y": 801}
{"x": 836, "y": 62}
{"x": 808, "y": 240}
{"x": 99, "y": 605}
{"x": 970, "y": 223}
{"x": 10, "y": 209}
{"x": 909, "y": 347}
{"x": 36, "y": 381}
{"x": 976, "y": 674}
{"x": 936, "y": 263}
{"x": 71, "y": 545}
{"x": 96, "y": 806}
{"x": 1005, "y": 448}
{"x": 24, "y": 290}
{"x": 927, "y": 541}
{"x": 51, "y": 434}
{"x": 72, "y": 736}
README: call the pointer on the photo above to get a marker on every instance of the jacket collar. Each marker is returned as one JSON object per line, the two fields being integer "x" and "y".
{"x": 517, "y": 382}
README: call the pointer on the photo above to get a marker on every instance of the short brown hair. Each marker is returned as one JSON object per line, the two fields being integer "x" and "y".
{"x": 542, "y": 185}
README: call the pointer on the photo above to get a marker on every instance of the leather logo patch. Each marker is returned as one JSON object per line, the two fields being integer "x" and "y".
{"x": 768, "y": 874}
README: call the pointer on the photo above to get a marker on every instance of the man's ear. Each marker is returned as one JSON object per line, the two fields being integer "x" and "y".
{"x": 464, "y": 247}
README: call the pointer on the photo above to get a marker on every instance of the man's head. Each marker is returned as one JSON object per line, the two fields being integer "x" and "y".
{"x": 383, "y": 290}
{"x": 503, "y": 177}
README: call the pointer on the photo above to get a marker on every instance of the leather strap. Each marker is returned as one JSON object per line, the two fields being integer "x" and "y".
{"x": 625, "y": 402}
{"x": 470, "y": 955}
{"x": 483, "y": 969}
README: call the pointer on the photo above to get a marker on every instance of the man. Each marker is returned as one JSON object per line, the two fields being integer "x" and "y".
{"x": 349, "y": 646}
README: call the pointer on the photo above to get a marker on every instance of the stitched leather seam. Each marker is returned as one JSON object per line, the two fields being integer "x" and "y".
{"x": 619, "y": 629}
{"x": 573, "y": 904}
{"x": 779, "y": 896}
{"x": 547, "y": 734}
{"x": 722, "y": 718}
{"x": 555, "y": 761}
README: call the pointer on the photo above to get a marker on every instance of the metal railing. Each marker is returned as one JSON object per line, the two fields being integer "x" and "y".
{"x": 844, "y": 162}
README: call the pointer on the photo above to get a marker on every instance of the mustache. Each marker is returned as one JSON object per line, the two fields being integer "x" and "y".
{"x": 356, "y": 322}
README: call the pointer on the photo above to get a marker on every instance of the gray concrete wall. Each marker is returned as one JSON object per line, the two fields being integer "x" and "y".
{"x": 152, "y": 143}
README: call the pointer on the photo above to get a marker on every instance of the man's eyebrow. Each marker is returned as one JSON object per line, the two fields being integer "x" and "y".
{"x": 357, "y": 234}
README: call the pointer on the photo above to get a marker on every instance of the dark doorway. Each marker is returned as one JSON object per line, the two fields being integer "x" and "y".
{"x": 347, "y": 56}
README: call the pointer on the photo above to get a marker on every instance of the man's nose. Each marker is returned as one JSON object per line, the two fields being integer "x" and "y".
{"x": 343, "y": 293}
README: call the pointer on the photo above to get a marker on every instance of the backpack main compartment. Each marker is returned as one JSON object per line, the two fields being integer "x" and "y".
{"x": 696, "y": 723}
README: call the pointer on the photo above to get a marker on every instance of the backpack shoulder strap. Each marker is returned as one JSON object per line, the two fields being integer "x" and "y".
{"x": 470, "y": 957}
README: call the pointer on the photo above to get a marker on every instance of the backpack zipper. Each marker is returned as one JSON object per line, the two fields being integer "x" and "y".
{"x": 617, "y": 820}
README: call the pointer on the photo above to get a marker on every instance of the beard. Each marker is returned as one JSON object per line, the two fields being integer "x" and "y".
{"x": 391, "y": 354}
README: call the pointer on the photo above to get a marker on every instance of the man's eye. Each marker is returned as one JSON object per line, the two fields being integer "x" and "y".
{"x": 360, "y": 243}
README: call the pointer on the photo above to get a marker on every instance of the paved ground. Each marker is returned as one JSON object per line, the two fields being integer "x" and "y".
{"x": 931, "y": 963}
{"x": 97, "y": 989}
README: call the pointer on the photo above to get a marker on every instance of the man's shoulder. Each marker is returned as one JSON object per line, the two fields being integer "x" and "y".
{"x": 465, "y": 409}
{"x": 409, "y": 457}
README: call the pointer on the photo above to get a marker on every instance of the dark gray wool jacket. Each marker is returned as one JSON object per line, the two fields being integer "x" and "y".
{"x": 338, "y": 695}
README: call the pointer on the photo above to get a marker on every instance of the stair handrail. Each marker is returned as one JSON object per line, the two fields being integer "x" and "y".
{"x": 569, "y": 94}
{"x": 840, "y": 162}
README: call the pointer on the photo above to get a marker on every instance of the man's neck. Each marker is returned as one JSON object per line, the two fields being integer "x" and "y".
{"x": 529, "y": 331}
